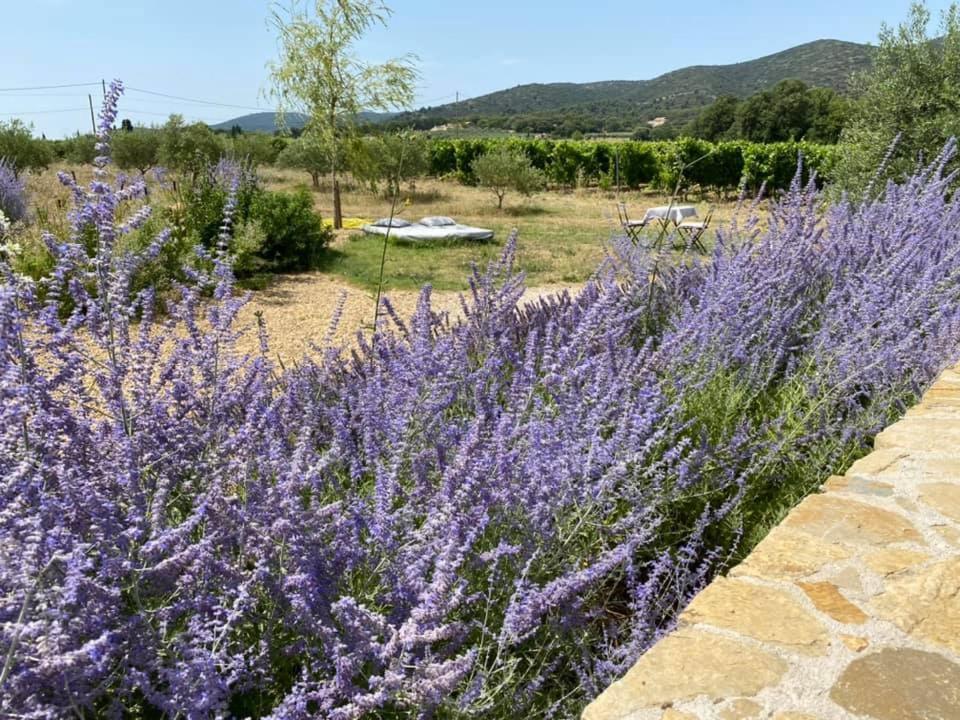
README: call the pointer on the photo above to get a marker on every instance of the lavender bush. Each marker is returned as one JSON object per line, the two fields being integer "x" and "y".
{"x": 487, "y": 517}
{"x": 13, "y": 193}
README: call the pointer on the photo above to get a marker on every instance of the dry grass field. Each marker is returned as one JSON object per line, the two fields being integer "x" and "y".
{"x": 563, "y": 235}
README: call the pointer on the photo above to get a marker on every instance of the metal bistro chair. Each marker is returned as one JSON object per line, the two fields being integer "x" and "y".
{"x": 693, "y": 230}
{"x": 632, "y": 228}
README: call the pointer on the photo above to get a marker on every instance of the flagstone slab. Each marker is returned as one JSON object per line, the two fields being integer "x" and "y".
{"x": 786, "y": 553}
{"x": 858, "y": 485}
{"x": 686, "y": 664}
{"x": 760, "y": 612}
{"x": 942, "y": 497}
{"x": 920, "y": 434}
{"x": 828, "y": 599}
{"x": 742, "y": 709}
{"x": 887, "y": 561}
{"x": 925, "y": 603}
{"x": 900, "y": 684}
{"x": 835, "y": 519}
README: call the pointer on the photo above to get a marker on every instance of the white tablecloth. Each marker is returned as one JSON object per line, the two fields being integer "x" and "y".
{"x": 677, "y": 213}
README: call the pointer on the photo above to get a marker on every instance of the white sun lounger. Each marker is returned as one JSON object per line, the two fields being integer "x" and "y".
{"x": 429, "y": 229}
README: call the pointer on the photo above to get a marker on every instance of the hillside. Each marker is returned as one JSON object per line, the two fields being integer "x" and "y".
{"x": 260, "y": 122}
{"x": 677, "y": 95}
{"x": 267, "y": 121}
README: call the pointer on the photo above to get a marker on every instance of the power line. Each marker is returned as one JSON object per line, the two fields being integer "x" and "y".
{"x": 48, "y": 87}
{"x": 41, "y": 112}
{"x": 42, "y": 95}
{"x": 194, "y": 100}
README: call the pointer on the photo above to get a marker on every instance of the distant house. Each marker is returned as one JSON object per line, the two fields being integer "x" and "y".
{"x": 656, "y": 122}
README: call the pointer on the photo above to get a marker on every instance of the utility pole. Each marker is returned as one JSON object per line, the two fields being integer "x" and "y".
{"x": 103, "y": 84}
{"x": 458, "y": 96}
{"x": 93, "y": 120}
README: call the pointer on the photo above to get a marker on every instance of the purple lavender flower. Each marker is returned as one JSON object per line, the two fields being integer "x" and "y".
{"x": 490, "y": 516}
{"x": 13, "y": 193}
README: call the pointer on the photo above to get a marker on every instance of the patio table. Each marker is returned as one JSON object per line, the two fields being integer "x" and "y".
{"x": 667, "y": 214}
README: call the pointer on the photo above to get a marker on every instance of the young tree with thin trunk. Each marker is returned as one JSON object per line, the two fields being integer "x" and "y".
{"x": 503, "y": 169}
{"x": 318, "y": 74}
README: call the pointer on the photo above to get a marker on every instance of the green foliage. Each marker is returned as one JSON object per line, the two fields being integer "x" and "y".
{"x": 293, "y": 235}
{"x": 389, "y": 159}
{"x": 196, "y": 213}
{"x": 641, "y": 163}
{"x": 19, "y": 147}
{"x": 442, "y": 157}
{"x": 466, "y": 151}
{"x": 80, "y": 149}
{"x": 188, "y": 148}
{"x": 716, "y": 121}
{"x": 504, "y": 169}
{"x": 638, "y": 163}
{"x": 135, "y": 150}
{"x": 255, "y": 148}
{"x": 273, "y": 231}
{"x": 309, "y": 154}
{"x": 775, "y": 164}
{"x": 791, "y": 110}
{"x": 913, "y": 93}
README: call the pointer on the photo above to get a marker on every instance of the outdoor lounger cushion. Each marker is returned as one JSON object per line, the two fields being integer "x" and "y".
{"x": 437, "y": 221}
{"x": 420, "y": 232}
{"x": 397, "y": 222}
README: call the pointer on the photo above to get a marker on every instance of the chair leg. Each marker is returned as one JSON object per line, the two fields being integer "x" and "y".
{"x": 698, "y": 242}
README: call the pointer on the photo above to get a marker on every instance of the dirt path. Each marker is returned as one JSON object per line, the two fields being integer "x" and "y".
{"x": 298, "y": 310}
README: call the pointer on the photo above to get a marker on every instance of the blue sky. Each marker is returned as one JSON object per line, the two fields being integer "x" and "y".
{"x": 217, "y": 51}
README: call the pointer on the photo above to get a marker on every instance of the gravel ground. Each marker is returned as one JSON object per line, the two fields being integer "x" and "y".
{"x": 298, "y": 310}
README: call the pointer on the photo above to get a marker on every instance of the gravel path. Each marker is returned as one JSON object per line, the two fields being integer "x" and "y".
{"x": 298, "y": 310}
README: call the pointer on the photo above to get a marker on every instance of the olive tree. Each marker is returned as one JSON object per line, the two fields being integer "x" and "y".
{"x": 135, "y": 149}
{"x": 318, "y": 73}
{"x": 307, "y": 153}
{"x": 187, "y": 148}
{"x": 391, "y": 159}
{"x": 911, "y": 94}
{"x": 502, "y": 169}
{"x": 21, "y": 149}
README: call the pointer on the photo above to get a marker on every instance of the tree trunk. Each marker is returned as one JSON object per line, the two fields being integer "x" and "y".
{"x": 315, "y": 176}
{"x": 500, "y": 201}
{"x": 337, "y": 212}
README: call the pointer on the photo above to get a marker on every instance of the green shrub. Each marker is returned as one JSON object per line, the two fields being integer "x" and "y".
{"x": 466, "y": 152}
{"x": 293, "y": 235}
{"x": 910, "y": 94}
{"x": 638, "y": 163}
{"x": 719, "y": 167}
{"x": 442, "y": 157}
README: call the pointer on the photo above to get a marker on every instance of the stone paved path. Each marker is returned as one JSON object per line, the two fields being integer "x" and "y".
{"x": 849, "y": 609}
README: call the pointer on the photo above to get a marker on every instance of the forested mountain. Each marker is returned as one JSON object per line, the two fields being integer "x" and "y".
{"x": 624, "y": 104}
